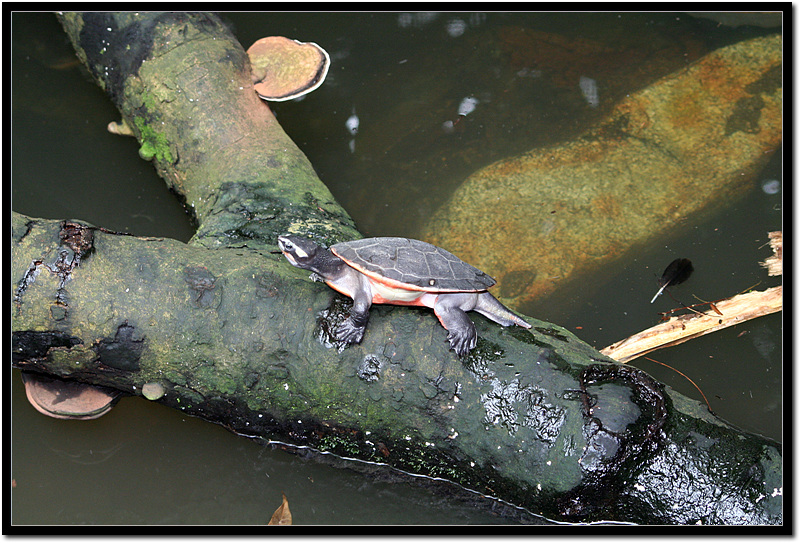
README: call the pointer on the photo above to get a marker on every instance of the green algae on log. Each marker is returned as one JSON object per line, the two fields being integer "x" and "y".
{"x": 691, "y": 141}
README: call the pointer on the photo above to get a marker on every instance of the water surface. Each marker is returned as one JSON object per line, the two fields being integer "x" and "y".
{"x": 436, "y": 97}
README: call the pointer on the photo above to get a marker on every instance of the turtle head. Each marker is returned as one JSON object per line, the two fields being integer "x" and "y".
{"x": 303, "y": 253}
{"x": 300, "y": 252}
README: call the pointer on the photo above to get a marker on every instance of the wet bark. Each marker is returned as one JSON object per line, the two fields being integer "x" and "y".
{"x": 233, "y": 334}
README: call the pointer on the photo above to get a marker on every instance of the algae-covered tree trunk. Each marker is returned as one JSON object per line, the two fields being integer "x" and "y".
{"x": 232, "y": 333}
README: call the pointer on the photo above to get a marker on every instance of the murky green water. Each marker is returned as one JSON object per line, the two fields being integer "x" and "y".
{"x": 404, "y": 76}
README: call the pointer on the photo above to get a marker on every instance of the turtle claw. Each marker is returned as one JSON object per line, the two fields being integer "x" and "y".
{"x": 462, "y": 343}
{"x": 349, "y": 332}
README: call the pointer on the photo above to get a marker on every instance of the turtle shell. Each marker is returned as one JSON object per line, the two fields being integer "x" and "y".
{"x": 412, "y": 264}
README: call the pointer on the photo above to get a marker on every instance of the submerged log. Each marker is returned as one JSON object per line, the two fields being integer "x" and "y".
{"x": 688, "y": 144}
{"x": 222, "y": 329}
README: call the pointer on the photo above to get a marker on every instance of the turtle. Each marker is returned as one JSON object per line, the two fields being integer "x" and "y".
{"x": 401, "y": 271}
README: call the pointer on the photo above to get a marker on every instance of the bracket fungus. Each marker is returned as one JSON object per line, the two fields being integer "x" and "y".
{"x": 284, "y": 69}
{"x": 68, "y": 399}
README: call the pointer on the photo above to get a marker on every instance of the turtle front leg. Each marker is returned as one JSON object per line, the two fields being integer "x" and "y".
{"x": 351, "y": 330}
{"x": 449, "y": 308}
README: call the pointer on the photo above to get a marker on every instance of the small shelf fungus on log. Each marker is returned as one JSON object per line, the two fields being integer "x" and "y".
{"x": 284, "y": 69}
{"x": 72, "y": 400}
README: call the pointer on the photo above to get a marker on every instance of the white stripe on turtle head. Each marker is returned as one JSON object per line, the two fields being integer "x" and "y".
{"x": 300, "y": 252}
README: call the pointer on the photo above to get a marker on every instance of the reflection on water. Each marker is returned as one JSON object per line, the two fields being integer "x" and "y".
{"x": 589, "y": 90}
{"x": 414, "y": 103}
{"x": 771, "y": 186}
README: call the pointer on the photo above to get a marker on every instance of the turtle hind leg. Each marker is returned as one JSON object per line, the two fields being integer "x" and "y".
{"x": 490, "y": 307}
{"x": 461, "y": 331}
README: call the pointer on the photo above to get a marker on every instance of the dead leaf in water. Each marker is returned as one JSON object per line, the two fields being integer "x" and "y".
{"x": 282, "y": 516}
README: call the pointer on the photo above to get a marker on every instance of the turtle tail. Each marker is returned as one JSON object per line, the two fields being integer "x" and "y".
{"x": 491, "y": 307}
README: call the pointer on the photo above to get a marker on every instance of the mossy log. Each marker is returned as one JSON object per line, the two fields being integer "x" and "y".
{"x": 227, "y": 331}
